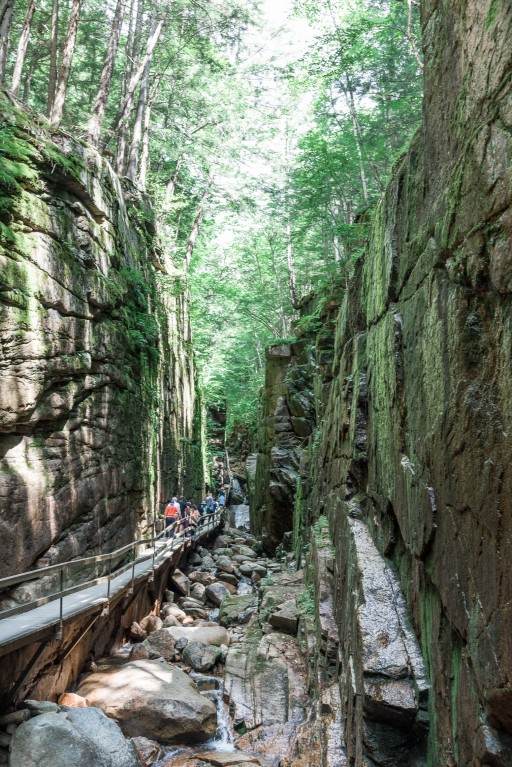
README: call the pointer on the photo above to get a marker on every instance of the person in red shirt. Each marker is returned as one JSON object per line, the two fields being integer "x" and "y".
{"x": 172, "y": 514}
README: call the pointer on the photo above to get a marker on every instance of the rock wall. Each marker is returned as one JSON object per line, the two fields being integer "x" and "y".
{"x": 412, "y": 463}
{"x": 100, "y": 418}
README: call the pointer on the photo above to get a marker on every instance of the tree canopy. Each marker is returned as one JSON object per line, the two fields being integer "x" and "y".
{"x": 263, "y": 145}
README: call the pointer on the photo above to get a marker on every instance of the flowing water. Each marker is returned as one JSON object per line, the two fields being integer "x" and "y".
{"x": 240, "y": 516}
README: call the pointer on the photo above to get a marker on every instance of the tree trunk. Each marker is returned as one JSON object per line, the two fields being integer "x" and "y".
{"x": 196, "y": 227}
{"x": 65, "y": 65}
{"x": 171, "y": 186}
{"x": 133, "y": 47}
{"x": 131, "y": 171}
{"x": 22, "y": 48}
{"x": 137, "y": 76}
{"x": 34, "y": 58}
{"x": 5, "y": 28}
{"x": 144, "y": 158}
{"x": 54, "y": 49}
{"x": 358, "y": 133}
{"x": 98, "y": 111}
{"x": 291, "y": 268}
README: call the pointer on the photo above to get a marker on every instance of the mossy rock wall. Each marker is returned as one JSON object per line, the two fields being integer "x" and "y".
{"x": 411, "y": 463}
{"x": 100, "y": 418}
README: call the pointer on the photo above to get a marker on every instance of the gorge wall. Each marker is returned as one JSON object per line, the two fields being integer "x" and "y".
{"x": 411, "y": 465}
{"x": 100, "y": 418}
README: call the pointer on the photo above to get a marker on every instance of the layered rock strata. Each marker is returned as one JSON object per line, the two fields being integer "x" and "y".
{"x": 99, "y": 414}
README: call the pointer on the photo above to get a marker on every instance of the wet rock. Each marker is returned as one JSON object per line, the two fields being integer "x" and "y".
{"x": 216, "y": 635}
{"x": 225, "y": 564}
{"x": 231, "y": 759}
{"x": 149, "y": 697}
{"x": 228, "y": 578}
{"x": 245, "y": 551}
{"x": 217, "y": 593}
{"x": 176, "y": 612}
{"x": 194, "y": 559}
{"x": 72, "y": 700}
{"x": 208, "y": 562}
{"x": 181, "y": 643}
{"x": 181, "y": 583}
{"x": 202, "y": 657}
{"x": 160, "y": 644}
{"x": 237, "y": 610}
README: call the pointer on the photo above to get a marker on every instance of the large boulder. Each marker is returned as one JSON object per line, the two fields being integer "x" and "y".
{"x": 160, "y": 644}
{"x": 181, "y": 583}
{"x": 286, "y": 617}
{"x": 216, "y": 593}
{"x": 200, "y": 577}
{"x": 202, "y": 657}
{"x": 151, "y": 699}
{"x": 216, "y": 635}
{"x": 105, "y": 733}
{"x": 84, "y": 737}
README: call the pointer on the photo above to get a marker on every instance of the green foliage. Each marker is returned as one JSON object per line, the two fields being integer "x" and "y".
{"x": 306, "y": 600}
{"x": 142, "y": 326}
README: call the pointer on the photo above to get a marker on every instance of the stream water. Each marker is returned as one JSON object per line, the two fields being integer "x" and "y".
{"x": 240, "y": 516}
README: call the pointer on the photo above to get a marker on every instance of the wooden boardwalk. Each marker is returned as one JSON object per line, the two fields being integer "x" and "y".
{"x": 37, "y": 622}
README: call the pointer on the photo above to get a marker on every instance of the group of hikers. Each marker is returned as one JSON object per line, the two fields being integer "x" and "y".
{"x": 183, "y": 516}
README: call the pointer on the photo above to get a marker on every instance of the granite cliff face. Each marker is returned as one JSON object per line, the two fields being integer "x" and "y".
{"x": 411, "y": 464}
{"x": 99, "y": 415}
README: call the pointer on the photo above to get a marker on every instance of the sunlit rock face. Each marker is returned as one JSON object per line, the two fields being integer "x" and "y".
{"x": 99, "y": 417}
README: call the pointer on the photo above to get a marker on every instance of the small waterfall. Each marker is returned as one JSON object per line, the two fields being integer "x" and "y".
{"x": 213, "y": 688}
{"x": 240, "y": 516}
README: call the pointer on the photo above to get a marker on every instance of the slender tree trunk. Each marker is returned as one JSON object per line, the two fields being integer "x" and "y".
{"x": 27, "y": 83}
{"x": 65, "y": 65}
{"x": 413, "y": 43}
{"x": 144, "y": 158}
{"x": 292, "y": 285}
{"x": 196, "y": 227}
{"x": 133, "y": 48}
{"x": 22, "y": 48}
{"x": 133, "y": 161}
{"x": 137, "y": 75}
{"x": 171, "y": 186}
{"x": 358, "y": 133}
{"x": 98, "y": 111}
{"x": 5, "y": 28}
{"x": 54, "y": 50}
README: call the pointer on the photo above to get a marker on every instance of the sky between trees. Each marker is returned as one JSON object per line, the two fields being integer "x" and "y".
{"x": 264, "y": 133}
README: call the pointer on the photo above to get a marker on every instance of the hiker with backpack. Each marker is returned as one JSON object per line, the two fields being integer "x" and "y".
{"x": 172, "y": 514}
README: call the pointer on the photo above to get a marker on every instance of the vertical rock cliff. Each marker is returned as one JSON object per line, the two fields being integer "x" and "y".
{"x": 100, "y": 418}
{"x": 411, "y": 463}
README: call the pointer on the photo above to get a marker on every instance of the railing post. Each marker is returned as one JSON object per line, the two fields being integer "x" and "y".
{"x": 132, "y": 588}
{"x": 58, "y": 633}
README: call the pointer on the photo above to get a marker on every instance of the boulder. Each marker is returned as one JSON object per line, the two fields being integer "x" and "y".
{"x": 37, "y": 707}
{"x": 202, "y": 657}
{"x": 50, "y": 739}
{"x": 245, "y": 551}
{"x": 168, "y": 595}
{"x": 200, "y": 577}
{"x": 15, "y": 717}
{"x": 217, "y": 592}
{"x": 152, "y": 698}
{"x": 170, "y": 620}
{"x": 151, "y": 623}
{"x": 221, "y": 541}
{"x": 237, "y": 610}
{"x": 286, "y": 617}
{"x": 216, "y": 635}
{"x": 208, "y": 562}
{"x": 188, "y": 602}
{"x": 198, "y": 592}
{"x": 136, "y": 633}
{"x": 224, "y": 564}
{"x": 160, "y": 644}
{"x": 195, "y": 558}
{"x": 196, "y": 613}
{"x": 147, "y": 750}
{"x": 228, "y": 578}
{"x": 181, "y": 583}
{"x": 105, "y": 734}
{"x": 72, "y": 700}
{"x": 176, "y": 612}
{"x": 139, "y": 652}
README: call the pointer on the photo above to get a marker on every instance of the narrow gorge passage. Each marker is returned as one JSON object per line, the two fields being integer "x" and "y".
{"x": 255, "y": 383}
